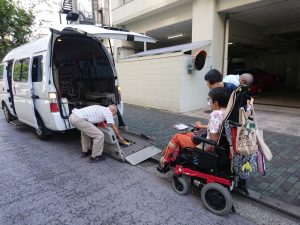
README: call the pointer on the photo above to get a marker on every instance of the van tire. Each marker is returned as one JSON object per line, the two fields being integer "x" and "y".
{"x": 41, "y": 131}
{"x": 7, "y": 114}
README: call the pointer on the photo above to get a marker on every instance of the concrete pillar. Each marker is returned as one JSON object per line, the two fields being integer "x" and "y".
{"x": 209, "y": 25}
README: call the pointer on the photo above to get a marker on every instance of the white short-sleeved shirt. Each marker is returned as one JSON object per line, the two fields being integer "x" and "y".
{"x": 233, "y": 79}
{"x": 215, "y": 121}
{"x": 95, "y": 114}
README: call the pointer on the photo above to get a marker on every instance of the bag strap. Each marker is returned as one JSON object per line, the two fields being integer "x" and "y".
{"x": 254, "y": 115}
{"x": 229, "y": 139}
{"x": 242, "y": 116}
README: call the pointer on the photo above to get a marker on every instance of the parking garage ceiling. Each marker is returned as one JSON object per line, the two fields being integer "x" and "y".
{"x": 183, "y": 31}
{"x": 268, "y": 14}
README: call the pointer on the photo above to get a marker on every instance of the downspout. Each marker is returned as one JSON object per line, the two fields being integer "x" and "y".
{"x": 226, "y": 37}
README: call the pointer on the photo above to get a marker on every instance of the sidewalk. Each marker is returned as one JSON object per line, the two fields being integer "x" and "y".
{"x": 282, "y": 181}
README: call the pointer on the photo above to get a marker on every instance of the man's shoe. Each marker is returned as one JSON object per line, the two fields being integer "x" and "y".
{"x": 97, "y": 158}
{"x": 86, "y": 154}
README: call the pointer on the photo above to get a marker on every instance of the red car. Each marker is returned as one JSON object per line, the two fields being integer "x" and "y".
{"x": 262, "y": 80}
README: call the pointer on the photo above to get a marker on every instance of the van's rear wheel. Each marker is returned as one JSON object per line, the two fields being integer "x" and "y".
{"x": 8, "y": 116}
{"x": 41, "y": 130}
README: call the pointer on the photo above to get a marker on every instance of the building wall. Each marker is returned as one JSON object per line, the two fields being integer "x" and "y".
{"x": 162, "y": 82}
{"x": 152, "y": 81}
{"x": 138, "y": 9}
{"x": 193, "y": 87}
{"x": 168, "y": 17}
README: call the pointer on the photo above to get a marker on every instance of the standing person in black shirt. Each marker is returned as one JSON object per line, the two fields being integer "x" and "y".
{"x": 215, "y": 79}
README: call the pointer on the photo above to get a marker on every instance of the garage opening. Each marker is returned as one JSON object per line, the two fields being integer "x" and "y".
{"x": 265, "y": 41}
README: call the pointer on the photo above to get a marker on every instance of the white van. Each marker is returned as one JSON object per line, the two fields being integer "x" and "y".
{"x": 41, "y": 82}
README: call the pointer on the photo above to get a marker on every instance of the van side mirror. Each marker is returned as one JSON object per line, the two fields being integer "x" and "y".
{"x": 72, "y": 16}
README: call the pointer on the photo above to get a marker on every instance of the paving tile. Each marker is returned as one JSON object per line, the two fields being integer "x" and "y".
{"x": 270, "y": 179}
{"x": 293, "y": 192}
{"x": 276, "y": 185}
{"x": 292, "y": 179}
{"x": 297, "y": 185}
{"x": 287, "y": 174}
{"x": 286, "y": 186}
{"x": 279, "y": 193}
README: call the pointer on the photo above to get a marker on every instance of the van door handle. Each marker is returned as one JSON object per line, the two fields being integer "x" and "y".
{"x": 15, "y": 90}
{"x": 2, "y": 88}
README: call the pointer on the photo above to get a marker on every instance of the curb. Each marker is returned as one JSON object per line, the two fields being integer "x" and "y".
{"x": 286, "y": 208}
{"x": 278, "y": 205}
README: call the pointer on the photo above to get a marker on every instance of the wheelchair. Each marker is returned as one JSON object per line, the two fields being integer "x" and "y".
{"x": 211, "y": 172}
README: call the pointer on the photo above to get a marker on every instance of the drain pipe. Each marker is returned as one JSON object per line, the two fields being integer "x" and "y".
{"x": 226, "y": 37}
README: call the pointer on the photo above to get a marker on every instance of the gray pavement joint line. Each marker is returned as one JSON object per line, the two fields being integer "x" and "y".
{"x": 270, "y": 202}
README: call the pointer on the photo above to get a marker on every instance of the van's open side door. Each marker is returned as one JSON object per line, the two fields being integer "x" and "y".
{"x": 23, "y": 92}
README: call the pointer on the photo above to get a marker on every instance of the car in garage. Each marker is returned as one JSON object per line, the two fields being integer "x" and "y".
{"x": 263, "y": 80}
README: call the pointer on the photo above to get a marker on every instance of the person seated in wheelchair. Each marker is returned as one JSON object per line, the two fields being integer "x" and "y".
{"x": 217, "y": 100}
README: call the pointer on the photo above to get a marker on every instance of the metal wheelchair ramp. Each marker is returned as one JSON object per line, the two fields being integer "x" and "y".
{"x": 139, "y": 147}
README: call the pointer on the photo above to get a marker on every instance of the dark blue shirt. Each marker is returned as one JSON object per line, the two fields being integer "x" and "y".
{"x": 230, "y": 86}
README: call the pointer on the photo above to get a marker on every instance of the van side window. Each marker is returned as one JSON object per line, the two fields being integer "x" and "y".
{"x": 21, "y": 70}
{"x": 37, "y": 69}
{"x": 1, "y": 71}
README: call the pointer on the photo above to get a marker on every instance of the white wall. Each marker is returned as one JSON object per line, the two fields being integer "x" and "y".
{"x": 151, "y": 81}
{"x": 193, "y": 88}
{"x": 162, "y": 82}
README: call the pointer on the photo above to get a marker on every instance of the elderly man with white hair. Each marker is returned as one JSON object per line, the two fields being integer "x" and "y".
{"x": 84, "y": 119}
{"x": 245, "y": 78}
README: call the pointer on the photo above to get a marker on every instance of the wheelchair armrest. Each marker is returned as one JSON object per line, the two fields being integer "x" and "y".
{"x": 204, "y": 140}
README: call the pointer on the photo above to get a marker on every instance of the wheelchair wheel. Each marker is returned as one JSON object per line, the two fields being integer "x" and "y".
{"x": 180, "y": 185}
{"x": 216, "y": 199}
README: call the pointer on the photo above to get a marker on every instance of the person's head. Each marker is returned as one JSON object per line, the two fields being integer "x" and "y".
{"x": 218, "y": 98}
{"x": 246, "y": 78}
{"x": 113, "y": 109}
{"x": 213, "y": 77}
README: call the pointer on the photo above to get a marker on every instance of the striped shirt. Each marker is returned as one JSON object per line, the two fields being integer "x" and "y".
{"x": 95, "y": 114}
